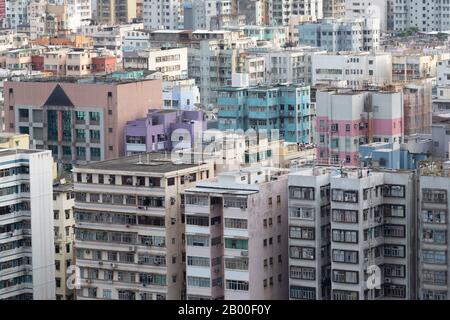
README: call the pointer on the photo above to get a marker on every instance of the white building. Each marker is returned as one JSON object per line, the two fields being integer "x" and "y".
{"x": 281, "y": 10}
{"x": 64, "y": 223}
{"x": 27, "y": 267}
{"x": 200, "y": 14}
{"x": 129, "y": 232}
{"x": 163, "y": 14}
{"x": 236, "y": 236}
{"x": 432, "y": 15}
{"x": 433, "y": 230}
{"x": 345, "y": 225}
{"x": 136, "y": 40}
{"x": 181, "y": 94}
{"x": 15, "y": 13}
{"x": 110, "y": 38}
{"x": 352, "y": 70}
{"x": 353, "y": 34}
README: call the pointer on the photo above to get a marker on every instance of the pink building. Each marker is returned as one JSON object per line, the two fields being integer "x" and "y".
{"x": 236, "y": 236}
{"x": 80, "y": 121}
{"x": 347, "y": 118}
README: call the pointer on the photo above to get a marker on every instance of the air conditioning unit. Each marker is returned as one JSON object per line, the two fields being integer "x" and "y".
{"x": 88, "y": 281}
{"x": 113, "y": 265}
{"x": 172, "y": 200}
{"x": 387, "y": 280}
{"x": 132, "y": 248}
{"x": 88, "y": 251}
{"x": 100, "y": 263}
{"x": 242, "y": 207}
{"x": 244, "y": 253}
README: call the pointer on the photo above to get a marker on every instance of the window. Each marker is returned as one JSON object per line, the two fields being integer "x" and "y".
{"x": 394, "y": 291}
{"x": 437, "y": 216}
{"x": 197, "y": 241}
{"x": 303, "y": 293}
{"x": 394, "y": 230}
{"x": 303, "y": 253}
{"x": 235, "y": 202}
{"x": 237, "y": 285}
{"x": 434, "y": 236}
{"x": 394, "y": 191}
{"x": 236, "y": 244}
{"x": 345, "y": 256}
{"x": 394, "y": 270}
{"x": 197, "y": 200}
{"x": 395, "y": 251}
{"x": 301, "y": 213}
{"x": 305, "y": 233}
{"x": 344, "y": 195}
{"x": 434, "y": 277}
{"x": 236, "y": 223}
{"x": 345, "y": 295}
{"x": 394, "y": 211}
{"x": 303, "y": 273}
{"x": 434, "y": 257}
{"x": 197, "y": 220}
{"x": 302, "y": 193}
{"x": 236, "y": 263}
{"x": 198, "y": 261}
{"x": 107, "y": 294}
{"x": 434, "y": 196}
{"x": 343, "y": 276}
{"x": 345, "y": 216}
{"x": 346, "y": 236}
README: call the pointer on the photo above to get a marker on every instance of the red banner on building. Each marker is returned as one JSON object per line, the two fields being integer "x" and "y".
{"x": 60, "y": 127}
{"x": 2, "y": 9}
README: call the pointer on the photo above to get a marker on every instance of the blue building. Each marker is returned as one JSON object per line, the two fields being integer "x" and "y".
{"x": 282, "y": 107}
{"x": 405, "y": 156}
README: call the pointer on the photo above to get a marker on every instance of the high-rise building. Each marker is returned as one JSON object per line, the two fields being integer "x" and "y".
{"x": 285, "y": 108}
{"x": 433, "y": 230}
{"x": 281, "y": 10}
{"x": 352, "y": 234}
{"x": 431, "y": 15}
{"x": 26, "y": 225}
{"x": 78, "y": 128}
{"x": 346, "y": 119}
{"x": 129, "y": 232}
{"x": 64, "y": 223}
{"x": 113, "y": 12}
{"x": 236, "y": 236}
{"x": 163, "y": 14}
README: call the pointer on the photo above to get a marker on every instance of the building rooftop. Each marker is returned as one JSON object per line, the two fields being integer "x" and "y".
{"x": 152, "y": 162}
{"x": 98, "y": 79}
{"x": 9, "y": 152}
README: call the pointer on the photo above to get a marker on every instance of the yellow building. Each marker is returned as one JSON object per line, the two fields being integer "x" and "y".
{"x": 14, "y": 140}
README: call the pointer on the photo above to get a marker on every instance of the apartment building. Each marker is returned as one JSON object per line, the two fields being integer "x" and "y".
{"x": 160, "y": 14}
{"x": 407, "y": 66}
{"x": 110, "y": 37}
{"x": 212, "y": 62}
{"x": 283, "y": 107}
{"x": 346, "y": 119}
{"x": 14, "y": 140}
{"x": 64, "y": 223}
{"x": 78, "y": 128}
{"x": 348, "y": 227}
{"x": 113, "y": 12}
{"x": 155, "y": 131}
{"x": 434, "y": 15}
{"x": 434, "y": 188}
{"x": 352, "y": 70}
{"x": 182, "y": 94}
{"x": 236, "y": 236}
{"x": 26, "y": 225}
{"x": 281, "y": 10}
{"x": 129, "y": 232}
{"x": 172, "y": 63}
{"x": 360, "y": 34}
{"x": 15, "y": 14}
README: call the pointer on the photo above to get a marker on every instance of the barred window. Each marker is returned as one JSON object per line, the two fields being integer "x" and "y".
{"x": 303, "y": 293}
{"x": 394, "y": 270}
{"x": 198, "y": 261}
{"x": 345, "y": 295}
{"x": 197, "y": 220}
{"x": 347, "y": 236}
{"x": 305, "y": 233}
{"x": 236, "y": 263}
{"x": 198, "y": 282}
{"x": 395, "y": 251}
{"x": 197, "y": 241}
{"x": 302, "y": 193}
{"x": 345, "y": 216}
{"x": 196, "y": 200}
{"x": 235, "y": 202}
{"x": 301, "y": 213}
{"x": 303, "y": 273}
{"x": 345, "y": 256}
{"x": 236, "y": 223}
{"x": 344, "y": 276}
{"x": 304, "y": 253}
{"x": 237, "y": 285}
